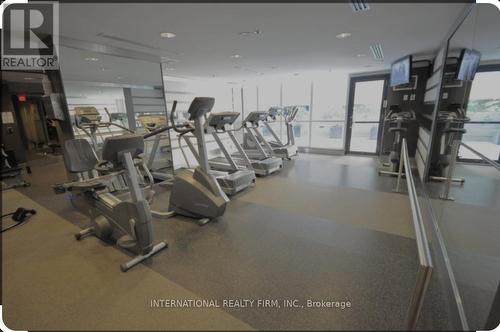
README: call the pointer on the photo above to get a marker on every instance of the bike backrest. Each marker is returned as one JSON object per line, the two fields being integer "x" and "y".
{"x": 79, "y": 156}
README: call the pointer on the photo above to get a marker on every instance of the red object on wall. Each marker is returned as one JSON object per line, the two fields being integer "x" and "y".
{"x": 21, "y": 98}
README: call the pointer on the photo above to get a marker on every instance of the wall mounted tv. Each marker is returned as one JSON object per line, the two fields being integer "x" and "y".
{"x": 401, "y": 71}
{"x": 468, "y": 64}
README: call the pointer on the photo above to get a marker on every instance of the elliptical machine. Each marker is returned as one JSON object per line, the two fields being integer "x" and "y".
{"x": 196, "y": 193}
{"x": 289, "y": 149}
{"x": 89, "y": 121}
{"x": 397, "y": 121}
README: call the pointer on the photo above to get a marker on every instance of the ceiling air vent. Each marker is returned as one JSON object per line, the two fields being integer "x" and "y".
{"x": 377, "y": 52}
{"x": 359, "y": 5}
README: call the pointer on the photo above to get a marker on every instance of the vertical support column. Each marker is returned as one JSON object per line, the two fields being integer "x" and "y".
{"x": 129, "y": 106}
{"x": 281, "y": 106}
{"x": 232, "y": 99}
{"x": 242, "y": 104}
{"x": 257, "y": 96}
{"x": 310, "y": 113}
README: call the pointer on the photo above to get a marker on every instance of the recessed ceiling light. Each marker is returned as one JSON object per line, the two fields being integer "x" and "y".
{"x": 343, "y": 35}
{"x": 360, "y": 55}
{"x": 236, "y": 56}
{"x": 248, "y": 33}
{"x": 91, "y": 59}
{"x": 167, "y": 35}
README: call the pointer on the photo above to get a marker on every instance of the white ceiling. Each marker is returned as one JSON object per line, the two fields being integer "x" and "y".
{"x": 294, "y": 37}
{"x": 479, "y": 31}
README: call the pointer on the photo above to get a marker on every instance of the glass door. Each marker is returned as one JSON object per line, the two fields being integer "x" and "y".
{"x": 364, "y": 114}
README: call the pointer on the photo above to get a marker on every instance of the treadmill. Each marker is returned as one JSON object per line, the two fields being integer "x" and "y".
{"x": 236, "y": 172}
{"x": 262, "y": 155}
{"x": 232, "y": 174}
{"x": 281, "y": 149}
{"x": 157, "y": 149}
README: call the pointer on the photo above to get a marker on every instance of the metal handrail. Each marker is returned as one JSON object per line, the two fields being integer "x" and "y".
{"x": 424, "y": 252}
{"x": 482, "y": 156}
{"x": 422, "y": 244}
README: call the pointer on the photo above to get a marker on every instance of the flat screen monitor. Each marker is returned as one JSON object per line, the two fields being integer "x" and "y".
{"x": 468, "y": 64}
{"x": 401, "y": 71}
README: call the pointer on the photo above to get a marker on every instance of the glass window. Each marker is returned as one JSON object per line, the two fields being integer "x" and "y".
{"x": 483, "y": 109}
{"x": 484, "y": 100}
{"x": 327, "y": 135}
{"x": 297, "y": 91}
{"x": 269, "y": 95}
{"x": 329, "y": 97}
{"x": 250, "y": 98}
{"x": 301, "y": 132}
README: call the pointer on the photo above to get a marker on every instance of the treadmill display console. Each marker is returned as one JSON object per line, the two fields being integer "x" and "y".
{"x": 219, "y": 120}
{"x": 255, "y": 117}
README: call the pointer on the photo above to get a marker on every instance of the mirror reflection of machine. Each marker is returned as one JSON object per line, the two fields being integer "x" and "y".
{"x": 55, "y": 117}
{"x": 450, "y": 130}
{"x": 89, "y": 121}
{"x": 157, "y": 148}
{"x": 11, "y": 175}
{"x": 397, "y": 120}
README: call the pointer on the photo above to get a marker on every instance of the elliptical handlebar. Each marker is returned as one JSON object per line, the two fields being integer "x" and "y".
{"x": 177, "y": 127}
{"x": 394, "y": 113}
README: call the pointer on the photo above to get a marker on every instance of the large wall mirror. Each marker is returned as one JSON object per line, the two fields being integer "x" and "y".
{"x": 114, "y": 94}
{"x": 466, "y": 207}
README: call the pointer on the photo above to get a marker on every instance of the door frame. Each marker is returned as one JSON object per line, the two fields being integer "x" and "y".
{"x": 350, "y": 111}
